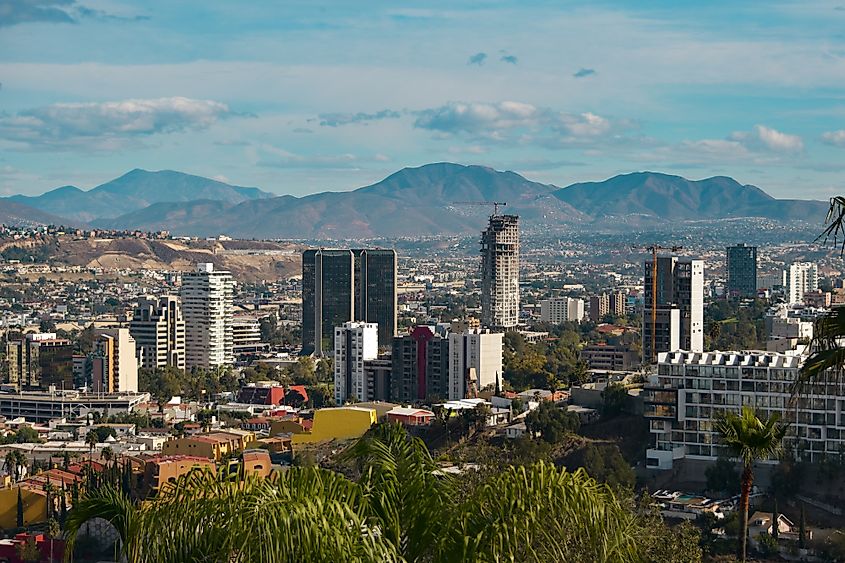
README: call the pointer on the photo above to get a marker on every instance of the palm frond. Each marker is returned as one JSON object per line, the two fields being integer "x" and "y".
{"x": 835, "y": 221}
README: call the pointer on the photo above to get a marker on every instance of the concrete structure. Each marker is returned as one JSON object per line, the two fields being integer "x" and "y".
{"x": 159, "y": 332}
{"x": 599, "y": 307}
{"x": 112, "y": 366}
{"x": 500, "y": 272}
{"x": 800, "y": 278}
{"x": 342, "y": 285}
{"x": 617, "y": 301}
{"x": 561, "y": 309}
{"x": 163, "y": 469}
{"x": 378, "y": 375}
{"x": 207, "y": 307}
{"x": 43, "y": 406}
{"x": 607, "y": 357}
{"x": 210, "y": 445}
{"x": 246, "y": 332}
{"x": 340, "y": 423}
{"x": 354, "y": 343}
{"x": 741, "y": 265}
{"x": 690, "y": 388}
{"x": 420, "y": 369}
{"x": 39, "y": 361}
{"x": 679, "y": 315}
{"x": 475, "y": 363}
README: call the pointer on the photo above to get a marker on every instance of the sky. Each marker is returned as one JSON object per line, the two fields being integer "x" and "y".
{"x": 302, "y": 97}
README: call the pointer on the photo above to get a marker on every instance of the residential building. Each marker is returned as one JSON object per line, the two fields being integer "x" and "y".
{"x": 800, "y": 278}
{"x": 420, "y": 369}
{"x": 818, "y": 299}
{"x": 159, "y": 332}
{"x": 679, "y": 314}
{"x": 378, "y": 374}
{"x": 689, "y": 388}
{"x": 207, "y": 306}
{"x": 599, "y": 307}
{"x": 608, "y": 357}
{"x": 261, "y": 394}
{"x": 354, "y": 343}
{"x": 616, "y": 303}
{"x": 112, "y": 366}
{"x": 211, "y": 445}
{"x": 163, "y": 469}
{"x": 475, "y": 363}
{"x": 341, "y": 285}
{"x": 500, "y": 272}
{"x": 561, "y": 309}
{"x": 410, "y": 416}
{"x": 39, "y": 361}
{"x": 246, "y": 333}
{"x": 742, "y": 271}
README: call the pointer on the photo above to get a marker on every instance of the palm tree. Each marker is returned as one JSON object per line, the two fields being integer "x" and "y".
{"x": 92, "y": 439}
{"x": 750, "y": 438}
{"x": 107, "y": 454}
{"x": 11, "y": 462}
{"x": 399, "y": 509}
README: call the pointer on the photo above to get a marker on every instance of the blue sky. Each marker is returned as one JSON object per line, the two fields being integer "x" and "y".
{"x": 300, "y": 97}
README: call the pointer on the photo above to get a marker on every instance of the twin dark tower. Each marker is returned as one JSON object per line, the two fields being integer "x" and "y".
{"x": 341, "y": 285}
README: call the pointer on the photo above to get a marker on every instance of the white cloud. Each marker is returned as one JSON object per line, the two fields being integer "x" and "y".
{"x": 759, "y": 141}
{"x": 836, "y": 138}
{"x": 106, "y": 125}
{"x": 777, "y": 141}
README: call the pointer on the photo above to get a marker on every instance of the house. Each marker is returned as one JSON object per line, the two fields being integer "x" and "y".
{"x": 211, "y": 445}
{"x": 761, "y": 523}
{"x": 410, "y": 416}
{"x": 162, "y": 469}
{"x": 585, "y": 415}
{"x": 675, "y": 504}
{"x": 516, "y": 430}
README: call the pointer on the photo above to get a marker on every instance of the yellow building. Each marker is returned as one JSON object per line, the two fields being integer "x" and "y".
{"x": 34, "y": 507}
{"x": 212, "y": 445}
{"x": 340, "y": 423}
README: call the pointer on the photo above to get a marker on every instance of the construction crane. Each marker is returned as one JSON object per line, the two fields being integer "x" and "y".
{"x": 495, "y": 204}
{"x": 653, "y": 249}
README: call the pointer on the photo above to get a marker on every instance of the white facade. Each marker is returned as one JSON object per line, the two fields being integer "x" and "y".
{"x": 246, "y": 331}
{"x": 561, "y": 309}
{"x": 207, "y": 307}
{"x": 801, "y": 278}
{"x": 354, "y": 343}
{"x": 690, "y": 388}
{"x": 500, "y": 272}
{"x": 159, "y": 332}
{"x": 475, "y": 356}
{"x": 116, "y": 347}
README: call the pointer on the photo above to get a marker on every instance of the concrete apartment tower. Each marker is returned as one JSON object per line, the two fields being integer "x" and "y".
{"x": 680, "y": 306}
{"x": 354, "y": 343}
{"x": 159, "y": 332}
{"x": 207, "y": 306}
{"x": 38, "y": 361}
{"x": 342, "y": 285}
{"x": 475, "y": 361}
{"x": 741, "y": 262}
{"x": 801, "y": 278}
{"x": 500, "y": 272}
{"x": 112, "y": 367}
{"x": 559, "y": 310}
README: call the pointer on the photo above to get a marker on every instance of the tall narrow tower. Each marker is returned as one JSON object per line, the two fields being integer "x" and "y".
{"x": 207, "y": 307}
{"x": 500, "y": 272}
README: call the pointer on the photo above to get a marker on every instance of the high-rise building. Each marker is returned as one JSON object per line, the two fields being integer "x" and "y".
{"x": 207, "y": 305}
{"x": 341, "y": 285}
{"x": 38, "y": 361}
{"x": 246, "y": 332}
{"x": 354, "y": 343}
{"x": 742, "y": 271}
{"x": 680, "y": 306}
{"x": 559, "y": 310}
{"x": 420, "y": 369}
{"x": 500, "y": 272}
{"x": 475, "y": 362}
{"x": 616, "y": 303}
{"x": 375, "y": 291}
{"x": 112, "y": 366}
{"x": 801, "y": 278}
{"x": 599, "y": 307}
{"x": 159, "y": 332}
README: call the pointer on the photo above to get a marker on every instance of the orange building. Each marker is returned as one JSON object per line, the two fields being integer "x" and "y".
{"x": 167, "y": 469}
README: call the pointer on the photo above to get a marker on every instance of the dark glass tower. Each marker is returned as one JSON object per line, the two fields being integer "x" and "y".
{"x": 375, "y": 291}
{"x": 742, "y": 271}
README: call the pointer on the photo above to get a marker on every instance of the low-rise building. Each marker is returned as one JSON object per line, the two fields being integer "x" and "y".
{"x": 410, "y": 416}
{"x": 609, "y": 357}
{"x": 163, "y": 469}
{"x": 339, "y": 423}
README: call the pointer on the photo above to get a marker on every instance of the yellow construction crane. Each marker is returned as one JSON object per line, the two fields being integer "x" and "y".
{"x": 653, "y": 249}
{"x": 495, "y": 204}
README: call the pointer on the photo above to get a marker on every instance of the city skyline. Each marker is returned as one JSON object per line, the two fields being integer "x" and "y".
{"x": 302, "y": 99}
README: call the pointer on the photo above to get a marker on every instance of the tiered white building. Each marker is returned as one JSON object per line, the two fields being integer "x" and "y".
{"x": 561, "y": 309}
{"x": 207, "y": 305}
{"x": 159, "y": 332}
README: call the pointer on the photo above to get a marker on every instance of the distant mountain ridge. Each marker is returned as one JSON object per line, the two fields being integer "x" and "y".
{"x": 421, "y": 201}
{"x": 136, "y": 190}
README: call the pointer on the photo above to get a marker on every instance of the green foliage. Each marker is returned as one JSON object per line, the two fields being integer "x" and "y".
{"x": 551, "y": 423}
{"x": 23, "y": 435}
{"x": 196, "y": 384}
{"x": 735, "y": 325}
{"x": 104, "y": 433}
{"x": 723, "y": 477}
{"x": 605, "y": 464}
{"x": 28, "y": 551}
{"x": 544, "y": 365}
{"x": 613, "y": 400}
{"x": 767, "y": 546}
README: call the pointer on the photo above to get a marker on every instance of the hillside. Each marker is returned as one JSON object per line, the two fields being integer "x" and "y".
{"x": 136, "y": 190}
{"x": 17, "y": 214}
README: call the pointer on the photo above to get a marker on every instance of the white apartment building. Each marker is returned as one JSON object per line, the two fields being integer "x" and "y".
{"x": 159, "y": 332}
{"x": 475, "y": 360}
{"x": 112, "y": 367}
{"x": 690, "y": 388}
{"x": 207, "y": 307}
{"x": 500, "y": 272}
{"x": 800, "y": 278}
{"x": 678, "y": 292}
{"x": 561, "y": 309}
{"x": 354, "y": 343}
{"x": 246, "y": 331}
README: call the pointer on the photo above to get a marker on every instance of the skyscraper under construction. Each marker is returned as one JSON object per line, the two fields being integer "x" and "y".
{"x": 500, "y": 272}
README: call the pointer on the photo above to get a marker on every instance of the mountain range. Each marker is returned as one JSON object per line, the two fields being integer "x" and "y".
{"x": 422, "y": 201}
